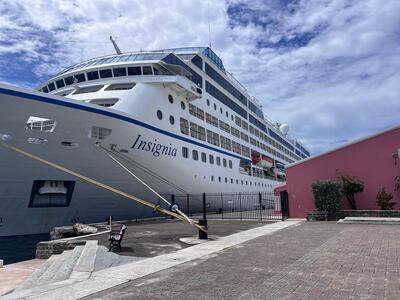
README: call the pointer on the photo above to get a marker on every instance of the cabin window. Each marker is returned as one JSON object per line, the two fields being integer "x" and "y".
{"x": 212, "y": 138}
{"x": 134, "y": 71}
{"x": 195, "y": 155}
{"x": 215, "y": 106}
{"x": 185, "y": 152}
{"x": 203, "y": 157}
{"x": 171, "y": 120}
{"x": 197, "y": 112}
{"x": 230, "y": 164}
{"x": 80, "y": 77}
{"x": 212, "y": 178}
{"x": 218, "y": 161}
{"x": 224, "y": 162}
{"x": 69, "y": 80}
{"x": 45, "y": 89}
{"x": 88, "y": 89}
{"x": 104, "y": 102}
{"x": 60, "y": 83}
{"x": 211, "y": 159}
{"x": 118, "y": 72}
{"x": 208, "y": 102}
{"x": 211, "y": 120}
{"x": 197, "y": 132}
{"x": 159, "y": 114}
{"x": 105, "y": 73}
{"x": 147, "y": 70}
{"x": 52, "y": 87}
{"x": 120, "y": 87}
{"x": 184, "y": 126}
{"x": 99, "y": 133}
{"x": 226, "y": 180}
{"x": 183, "y": 106}
{"x": 219, "y": 178}
{"x": 92, "y": 75}
{"x": 170, "y": 99}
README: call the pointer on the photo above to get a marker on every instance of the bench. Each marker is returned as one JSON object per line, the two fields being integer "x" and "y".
{"x": 317, "y": 216}
{"x": 115, "y": 238}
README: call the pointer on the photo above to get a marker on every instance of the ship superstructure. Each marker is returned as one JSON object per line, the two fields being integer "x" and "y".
{"x": 182, "y": 122}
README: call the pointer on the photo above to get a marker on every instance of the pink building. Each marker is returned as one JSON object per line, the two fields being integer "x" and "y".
{"x": 374, "y": 159}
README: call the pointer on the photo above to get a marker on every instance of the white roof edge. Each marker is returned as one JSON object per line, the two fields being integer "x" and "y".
{"x": 344, "y": 146}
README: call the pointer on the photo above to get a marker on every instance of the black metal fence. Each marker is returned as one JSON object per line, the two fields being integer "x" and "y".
{"x": 261, "y": 206}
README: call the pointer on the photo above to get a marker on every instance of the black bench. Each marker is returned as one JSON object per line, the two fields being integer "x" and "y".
{"x": 317, "y": 216}
{"x": 115, "y": 238}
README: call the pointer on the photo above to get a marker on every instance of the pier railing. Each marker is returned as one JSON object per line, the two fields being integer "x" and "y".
{"x": 242, "y": 206}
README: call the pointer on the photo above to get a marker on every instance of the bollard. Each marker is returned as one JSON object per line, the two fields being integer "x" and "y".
{"x": 203, "y": 235}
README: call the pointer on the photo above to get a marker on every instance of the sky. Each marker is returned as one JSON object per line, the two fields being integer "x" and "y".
{"x": 329, "y": 69}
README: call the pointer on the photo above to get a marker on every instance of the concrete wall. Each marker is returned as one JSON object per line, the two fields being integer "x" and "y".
{"x": 370, "y": 159}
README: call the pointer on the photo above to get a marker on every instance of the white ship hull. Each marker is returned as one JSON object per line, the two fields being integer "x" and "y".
{"x": 90, "y": 203}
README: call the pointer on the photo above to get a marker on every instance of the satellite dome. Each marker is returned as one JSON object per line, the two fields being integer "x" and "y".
{"x": 284, "y": 128}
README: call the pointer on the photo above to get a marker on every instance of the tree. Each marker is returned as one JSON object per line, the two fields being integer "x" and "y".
{"x": 384, "y": 200}
{"x": 326, "y": 196}
{"x": 351, "y": 185}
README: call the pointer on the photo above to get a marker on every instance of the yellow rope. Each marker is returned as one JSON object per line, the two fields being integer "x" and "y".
{"x": 102, "y": 185}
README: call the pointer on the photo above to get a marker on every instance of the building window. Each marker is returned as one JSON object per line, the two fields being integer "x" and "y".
{"x": 170, "y": 99}
{"x": 226, "y": 143}
{"x": 183, "y": 106}
{"x": 212, "y": 138}
{"x": 184, "y": 126}
{"x": 224, "y": 162}
{"x": 230, "y": 164}
{"x": 197, "y": 112}
{"x": 195, "y": 155}
{"x": 224, "y": 126}
{"x": 203, "y": 157}
{"x": 171, "y": 120}
{"x": 185, "y": 152}
{"x": 134, "y": 71}
{"x": 211, "y": 159}
{"x": 159, "y": 114}
{"x": 218, "y": 161}
{"x": 211, "y": 120}
{"x": 197, "y": 132}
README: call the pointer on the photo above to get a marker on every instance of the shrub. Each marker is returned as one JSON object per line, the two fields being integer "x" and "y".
{"x": 326, "y": 196}
{"x": 384, "y": 200}
{"x": 351, "y": 185}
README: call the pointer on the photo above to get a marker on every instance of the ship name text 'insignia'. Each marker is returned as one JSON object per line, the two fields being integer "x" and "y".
{"x": 154, "y": 147}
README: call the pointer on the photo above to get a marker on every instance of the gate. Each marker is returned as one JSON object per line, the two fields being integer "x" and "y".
{"x": 284, "y": 204}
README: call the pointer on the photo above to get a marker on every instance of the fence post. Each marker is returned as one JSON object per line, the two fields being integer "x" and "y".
{"x": 240, "y": 205}
{"x": 260, "y": 201}
{"x": 172, "y": 203}
{"x": 187, "y": 204}
{"x": 203, "y": 222}
{"x": 222, "y": 205}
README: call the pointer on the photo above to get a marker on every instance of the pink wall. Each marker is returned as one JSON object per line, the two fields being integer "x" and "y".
{"x": 371, "y": 160}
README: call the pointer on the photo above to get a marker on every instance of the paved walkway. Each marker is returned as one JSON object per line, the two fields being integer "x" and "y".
{"x": 320, "y": 260}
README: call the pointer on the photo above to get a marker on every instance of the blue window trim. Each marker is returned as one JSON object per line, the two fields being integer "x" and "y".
{"x": 112, "y": 115}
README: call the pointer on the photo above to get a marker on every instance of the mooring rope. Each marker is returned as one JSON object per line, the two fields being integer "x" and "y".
{"x": 145, "y": 184}
{"x": 102, "y": 185}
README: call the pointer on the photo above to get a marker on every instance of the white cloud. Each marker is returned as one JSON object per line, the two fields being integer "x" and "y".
{"x": 342, "y": 84}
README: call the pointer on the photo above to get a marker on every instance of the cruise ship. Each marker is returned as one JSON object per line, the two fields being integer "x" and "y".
{"x": 175, "y": 117}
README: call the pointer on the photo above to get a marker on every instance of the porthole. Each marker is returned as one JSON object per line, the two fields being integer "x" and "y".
{"x": 232, "y": 117}
{"x": 159, "y": 114}
{"x": 171, "y": 120}
{"x": 208, "y": 102}
{"x": 170, "y": 99}
{"x": 227, "y": 115}
{"x": 221, "y": 111}
{"x": 215, "y": 106}
{"x": 183, "y": 106}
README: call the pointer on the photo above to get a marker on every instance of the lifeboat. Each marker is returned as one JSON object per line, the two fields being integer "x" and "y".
{"x": 266, "y": 162}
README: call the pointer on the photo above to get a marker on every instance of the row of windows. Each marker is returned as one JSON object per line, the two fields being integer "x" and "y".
{"x": 217, "y": 94}
{"x": 225, "y": 84}
{"x": 97, "y": 74}
{"x": 203, "y": 158}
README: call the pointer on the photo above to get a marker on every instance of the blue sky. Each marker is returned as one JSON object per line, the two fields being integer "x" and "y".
{"x": 330, "y": 69}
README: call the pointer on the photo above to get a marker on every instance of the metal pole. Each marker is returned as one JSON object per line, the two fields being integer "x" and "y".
{"x": 203, "y": 222}
{"x": 187, "y": 204}
{"x": 222, "y": 205}
{"x": 260, "y": 201}
{"x": 240, "y": 205}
